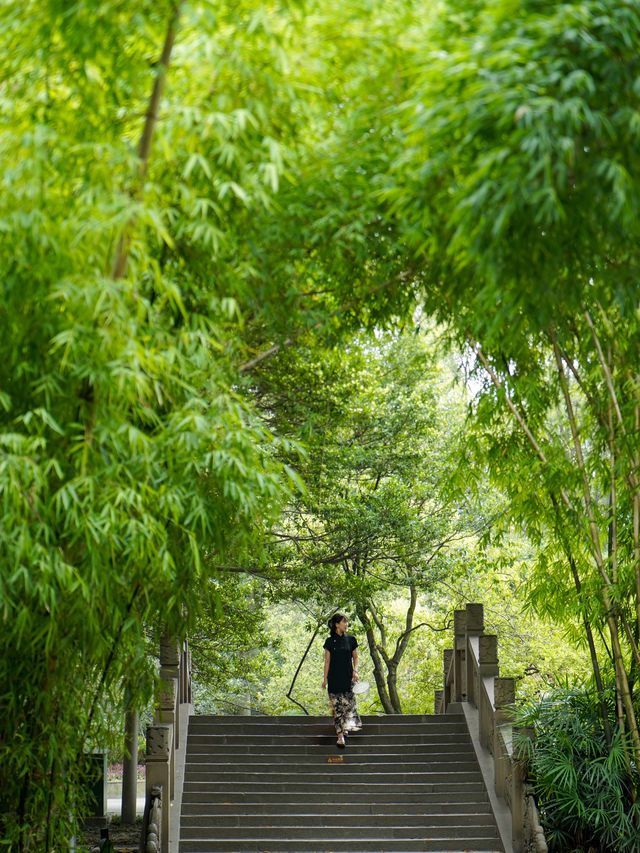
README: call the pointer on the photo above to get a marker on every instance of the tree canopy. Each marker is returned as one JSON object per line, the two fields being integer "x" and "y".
{"x": 382, "y": 433}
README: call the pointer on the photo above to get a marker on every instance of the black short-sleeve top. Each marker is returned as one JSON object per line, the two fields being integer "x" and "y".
{"x": 340, "y": 662}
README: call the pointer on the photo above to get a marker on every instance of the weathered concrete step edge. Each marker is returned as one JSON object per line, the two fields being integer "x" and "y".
{"x": 304, "y": 833}
{"x": 321, "y": 797}
{"x": 311, "y": 789}
{"x": 346, "y": 822}
{"x": 350, "y": 764}
{"x": 288, "y": 723}
{"x": 356, "y": 745}
{"x": 328, "y": 739}
{"x": 423, "y": 805}
{"x": 297, "y": 719}
{"x": 448, "y": 727}
{"x": 352, "y": 844}
{"x": 354, "y": 789}
{"x": 331, "y": 775}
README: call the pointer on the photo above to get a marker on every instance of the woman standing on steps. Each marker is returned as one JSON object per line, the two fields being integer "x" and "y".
{"x": 340, "y": 671}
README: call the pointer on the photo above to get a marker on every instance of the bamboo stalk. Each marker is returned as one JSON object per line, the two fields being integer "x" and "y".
{"x": 630, "y": 637}
{"x": 119, "y": 267}
{"x": 588, "y": 501}
{"x": 633, "y": 482}
{"x": 605, "y": 369}
{"x": 500, "y": 387}
{"x": 618, "y": 660}
{"x": 613, "y": 502}
{"x": 636, "y": 526}
{"x": 595, "y": 664}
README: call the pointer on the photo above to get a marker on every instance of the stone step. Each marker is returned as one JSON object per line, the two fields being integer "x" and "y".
{"x": 297, "y": 719}
{"x": 314, "y": 788}
{"x": 355, "y": 818}
{"x": 304, "y": 833}
{"x": 280, "y": 785}
{"x": 353, "y": 843}
{"x": 350, "y": 765}
{"x": 355, "y": 746}
{"x": 327, "y": 740}
{"x": 454, "y": 793}
{"x": 328, "y": 775}
{"x": 388, "y": 721}
{"x": 354, "y": 756}
{"x": 326, "y": 727}
{"x": 318, "y": 811}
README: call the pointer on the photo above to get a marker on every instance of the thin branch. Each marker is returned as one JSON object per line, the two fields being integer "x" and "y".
{"x": 144, "y": 146}
{"x": 403, "y": 640}
{"x": 302, "y": 660}
{"x": 354, "y": 303}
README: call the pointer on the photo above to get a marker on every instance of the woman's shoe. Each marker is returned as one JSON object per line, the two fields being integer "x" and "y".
{"x": 340, "y": 742}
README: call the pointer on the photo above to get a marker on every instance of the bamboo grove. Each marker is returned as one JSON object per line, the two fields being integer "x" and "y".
{"x": 189, "y": 189}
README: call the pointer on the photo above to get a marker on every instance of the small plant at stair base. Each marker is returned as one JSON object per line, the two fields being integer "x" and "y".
{"x": 586, "y": 789}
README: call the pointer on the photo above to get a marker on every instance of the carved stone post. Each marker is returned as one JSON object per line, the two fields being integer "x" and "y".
{"x": 447, "y": 656}
{"x": 487, "y": 666}
{"x": 159, "y": 743}
{"x": 474, "y": 625}
{"x": 167, "y": 712}
{"x": 488, "y": 656}
{"x": 518, "y": 804}
{"x": 185, "y": 674}
{"x": 437, "y": 702}
{"x": 165, "y": 715}
{"x": 460, "y": 651}
{"x": 504, "y": 697}
{"x": 519, "y": 794}
{"x": 475, "y": 618}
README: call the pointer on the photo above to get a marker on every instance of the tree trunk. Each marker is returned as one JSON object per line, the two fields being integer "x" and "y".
{"x": 130, "y": 767}
{"x": 392, "y": 684}
{"x": 378, "y": 664}
{"x": 595, "y": 666}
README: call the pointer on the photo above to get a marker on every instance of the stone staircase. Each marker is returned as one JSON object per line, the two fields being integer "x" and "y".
{"x": 404, "y": 783}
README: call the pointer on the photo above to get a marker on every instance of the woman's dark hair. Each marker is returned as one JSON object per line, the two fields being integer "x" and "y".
{"x": 337, "y": 617}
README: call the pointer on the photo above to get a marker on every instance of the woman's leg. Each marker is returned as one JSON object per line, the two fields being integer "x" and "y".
{"x": 352, "y": 721}
{"x": 338, "y": 706}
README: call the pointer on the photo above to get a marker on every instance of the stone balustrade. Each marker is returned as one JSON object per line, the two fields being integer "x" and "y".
{"x": 472, "y": 681}
{"x": 151, "y": 841}
{"x": 165, "y": 750}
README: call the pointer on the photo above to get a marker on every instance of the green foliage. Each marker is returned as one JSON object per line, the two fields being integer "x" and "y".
{"x": 584, "y": 787}
{"x": 518, "y": 187}
{"x": 518, "y": 178}
{"x": 381, "y": 433}
{"x": 131, "y": 461}
{"x": 233, "y": 654}
{"x": 125, "y": 450}
{"x": 312, "y": 169}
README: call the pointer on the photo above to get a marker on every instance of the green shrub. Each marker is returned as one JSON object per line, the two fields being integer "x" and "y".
{"x": 585, "y": 789}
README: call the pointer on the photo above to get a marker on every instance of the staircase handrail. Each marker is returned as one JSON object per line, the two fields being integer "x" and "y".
{"x": 472, "y": 677}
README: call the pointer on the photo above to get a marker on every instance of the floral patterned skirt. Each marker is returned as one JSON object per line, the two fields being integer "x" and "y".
{"x": 345, "y": 712}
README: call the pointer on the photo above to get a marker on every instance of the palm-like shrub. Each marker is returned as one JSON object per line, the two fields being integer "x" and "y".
{"x": 586, "y": 789}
